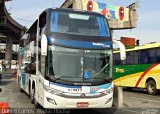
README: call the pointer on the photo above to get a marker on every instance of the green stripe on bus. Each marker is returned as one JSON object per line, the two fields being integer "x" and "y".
{"x": 124, "y": 70}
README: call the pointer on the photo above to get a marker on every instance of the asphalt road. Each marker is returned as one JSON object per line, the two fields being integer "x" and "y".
{"x": 135, "y": 102}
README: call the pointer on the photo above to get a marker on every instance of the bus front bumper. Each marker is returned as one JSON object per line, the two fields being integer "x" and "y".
{"x": 57, "y": 102}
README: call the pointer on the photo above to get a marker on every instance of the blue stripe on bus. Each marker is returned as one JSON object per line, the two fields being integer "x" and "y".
{"x": 93, "y": 89}
{"x": 66, "y": 86}
{"x": 104, "y": 86}
{"x": 80, "y": 44}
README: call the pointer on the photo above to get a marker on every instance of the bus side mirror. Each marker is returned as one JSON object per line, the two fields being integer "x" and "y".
{"x": 27, "y": 68}
{"x": 122, "y": 49}
{"x": 30, "y": 68}
{"x": 33, "y": 65}
{"x": 44, "y": 45}
{"x": 33, "y": 68}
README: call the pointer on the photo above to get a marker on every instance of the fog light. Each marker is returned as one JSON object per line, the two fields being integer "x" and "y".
{"x": 108, "y": 100}
{"x": 51, "y": 101}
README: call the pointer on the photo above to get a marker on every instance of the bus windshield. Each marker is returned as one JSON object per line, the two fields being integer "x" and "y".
{"x": 79, "y": 65}
{"x": 79, "y": 24}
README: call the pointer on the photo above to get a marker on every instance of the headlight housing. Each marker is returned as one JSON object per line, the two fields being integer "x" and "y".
{"x": 108, "y": 91}
{"x": 52, "y": 91}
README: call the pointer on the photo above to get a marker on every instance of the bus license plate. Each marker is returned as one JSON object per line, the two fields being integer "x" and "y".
{"x": 82, "y": 104}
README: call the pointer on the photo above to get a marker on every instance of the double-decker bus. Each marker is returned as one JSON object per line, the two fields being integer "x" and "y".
{"x": 65, "y": 61}
{"x": 141, "y": 69}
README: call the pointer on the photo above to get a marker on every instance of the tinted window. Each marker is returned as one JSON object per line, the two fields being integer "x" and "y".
{"x": 129, "y": 58}
{"x": 143, "y": 57}
{"x": 158, "y": 55}
{"x": 151, "y": 56}
{"x": 73, "y": 64}
{"x": 117, "y": 60}
{"x": 81, "y": 24}
{"x": 136, "y": 57}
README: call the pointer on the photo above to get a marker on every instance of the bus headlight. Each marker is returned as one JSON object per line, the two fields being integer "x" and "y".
{"x": 51, "y": 101}
{"x": 52, "y": 91}
{"x": 108, "y": 91}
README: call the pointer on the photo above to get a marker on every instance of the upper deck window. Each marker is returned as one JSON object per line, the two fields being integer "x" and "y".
{"x": 79, "y": 24}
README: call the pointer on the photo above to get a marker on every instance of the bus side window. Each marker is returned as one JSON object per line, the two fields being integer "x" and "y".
{"x": 158, "y": 55}
{"x": 41, "y": 58}
{"x": 143, "y": 57}
{"x": 21, "y": 44}
{"x": 136, "y": 57}
{"x": 42, "y": 23}
{"x": 32, "y": 38}
{"x": 129, "y": 59}
{"x": 117, "y": 60}
{"x": 151, "y": 56}
{"x": 50, "y": 63}
{"x": 114, "y": 59}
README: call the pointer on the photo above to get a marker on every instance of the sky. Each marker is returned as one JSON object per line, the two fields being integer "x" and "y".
{"x": 148, "y": 26}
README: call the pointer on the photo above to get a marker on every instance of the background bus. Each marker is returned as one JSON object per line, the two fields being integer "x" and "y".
{"x": 141, "y": 69}
{"x": 65, "y": 61}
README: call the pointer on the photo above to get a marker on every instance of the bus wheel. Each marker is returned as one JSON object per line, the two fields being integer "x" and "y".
{"x": 33, "y": 97}
{"x": 19, "y": 85}
{"x": 151, "y": 87}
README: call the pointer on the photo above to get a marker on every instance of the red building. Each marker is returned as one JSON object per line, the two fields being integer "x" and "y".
{"x": 127, "y": 41}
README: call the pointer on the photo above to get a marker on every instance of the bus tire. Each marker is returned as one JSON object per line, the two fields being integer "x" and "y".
{"x": 118, "y": 97}
{"x": 151, "y": 87}
{"x": 33, "y": 97}
{"x": 36, "y": 104}
{"x": 19, "y": 85}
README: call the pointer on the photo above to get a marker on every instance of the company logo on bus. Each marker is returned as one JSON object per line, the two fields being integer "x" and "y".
{"x": 119, "y": 70}
{"x": 83, "y": 95}
{"x": 101, "y": 45}
{"x": 94, "y": 88}
{"x": 82, "y": 84}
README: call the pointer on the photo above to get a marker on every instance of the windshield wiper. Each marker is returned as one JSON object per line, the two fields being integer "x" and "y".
{"x": 108, "y": 79}
{"x": 101, "y": 70}
{"x": 52, "y": 77}
{"x": 55, "y": 79}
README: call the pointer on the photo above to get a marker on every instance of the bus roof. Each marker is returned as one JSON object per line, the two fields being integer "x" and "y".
{"x": 142, "y": 47}
{"x": 74, "y": 10}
